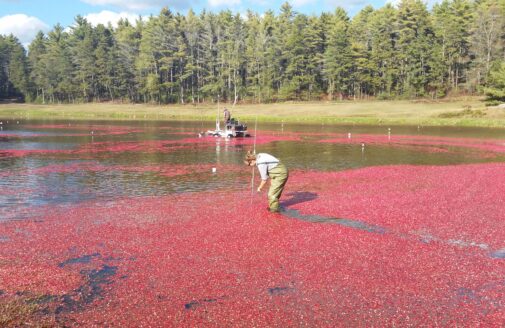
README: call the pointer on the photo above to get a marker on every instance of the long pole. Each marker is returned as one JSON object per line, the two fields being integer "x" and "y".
{"x": 217, "y": 116}
{"x": 255, "y": 129}
{"x": 254, "y": 152}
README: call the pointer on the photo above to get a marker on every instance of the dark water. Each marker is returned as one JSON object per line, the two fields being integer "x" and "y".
{"x": 22, "y": 187}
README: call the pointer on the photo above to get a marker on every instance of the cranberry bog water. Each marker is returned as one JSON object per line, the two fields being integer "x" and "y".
{"x": 112, "y": 224}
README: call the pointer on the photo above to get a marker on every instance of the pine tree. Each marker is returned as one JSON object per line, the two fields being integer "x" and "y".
{"x": 337, "y": 56}
{"x": 495, "y": 90}
{"x": 383, "y": 39}
{"x": 270, "y": 76}
{"x": 486, "y": 39}
{"x": 254, "y": 55}
{"x": 105, "y": 59}
{"x": 313, "y": 36}
{"x": 211, "y": 85}
{"x": 58, "y": 67}
{"x": 363, "y": 69}
{"x": 36, "y": 51}
{"x": 81, "y": 45}
{"x": 13, "y": 68}
{"x": 191, "y": 29}
{"x": 126, "y": 50}
{"x": 452, "y": 24}
{"x": 415, "y": 40}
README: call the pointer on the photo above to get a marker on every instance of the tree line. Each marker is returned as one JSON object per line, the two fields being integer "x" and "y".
{"x": 404, "y": 51}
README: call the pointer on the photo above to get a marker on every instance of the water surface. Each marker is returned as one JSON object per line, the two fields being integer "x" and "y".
{"x": 57, "y": 168}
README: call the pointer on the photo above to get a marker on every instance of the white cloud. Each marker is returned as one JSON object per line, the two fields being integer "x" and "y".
{"x": 22, "y": 26}
{"x": 300, "y": 3}
{"x": 105, "y": 16}
{"x": 140, "y": 5}
{"x": 217, "y": 3}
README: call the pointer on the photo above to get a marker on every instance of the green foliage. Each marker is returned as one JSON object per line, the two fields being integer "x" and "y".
{"x": 393, "y": 52}
{"x": 337, "y": 56}
{"x": 13, "y": 69}
{"x": 495, "y": 90}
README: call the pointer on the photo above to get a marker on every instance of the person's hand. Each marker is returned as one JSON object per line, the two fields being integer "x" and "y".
{"x": 259, "y": 189}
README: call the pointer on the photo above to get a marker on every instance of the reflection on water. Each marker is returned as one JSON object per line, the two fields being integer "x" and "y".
{"x": 22, "y": 185}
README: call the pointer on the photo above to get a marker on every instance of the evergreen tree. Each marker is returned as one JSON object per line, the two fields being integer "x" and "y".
{"x": 105, "y": 59}
{"x": 495, "y": 90}
{"x": 270, "y": 75}
{"x": 383, "y": 53}
{"x": 337, "y": 57}
{"x": 388, "y": 52}
{"x": 452, "y": 24}
{"x": 314, "y": 43}
{"x": 36, "y": 52}
{"x": 82, "y": 46}
{"x": 363, "y": 69}
{"x": 211, "y": 84}
{"x": 13, "y": 68}
{"x": 191, "y": 29}
{"x": 58, "y": 68}
{"x": 126, "y": 50}
{"x": 486, "y": 39}
{"x": 254, "y": 55}
{"x": 415, "y": 46}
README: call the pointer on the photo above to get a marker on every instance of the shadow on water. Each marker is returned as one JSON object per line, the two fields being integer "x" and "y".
{"x": 76, "y": 300}
{"x": 360, "y": 225}
{"x": 295, "y": 214}
{"x": 81, "y": 259}
{"x": 299, "y": 197}
{"x": 90, "y": 291}
{"x": 499, "y": 254}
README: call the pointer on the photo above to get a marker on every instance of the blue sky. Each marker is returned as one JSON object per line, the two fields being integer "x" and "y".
{"x": 24, "y": 18}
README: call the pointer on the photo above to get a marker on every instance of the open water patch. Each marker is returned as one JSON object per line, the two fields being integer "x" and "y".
{"x": 277, "y": 291}
{"x": 360, "y": 225}
{"x": 499, "y": 254}
{"x": 90, "y": 291}
{"x": 79, "y": 260}
{"x": 196, "y": 303}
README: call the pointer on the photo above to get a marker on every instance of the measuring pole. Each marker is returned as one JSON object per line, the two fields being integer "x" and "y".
{"x": 217, "y": 117}
{"x": 254, "y": 152}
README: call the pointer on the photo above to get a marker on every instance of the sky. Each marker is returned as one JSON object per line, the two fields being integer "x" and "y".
{"x": 24, "y": 18}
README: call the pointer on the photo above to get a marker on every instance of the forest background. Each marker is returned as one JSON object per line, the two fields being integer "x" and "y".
{"x": 402, "y": 51}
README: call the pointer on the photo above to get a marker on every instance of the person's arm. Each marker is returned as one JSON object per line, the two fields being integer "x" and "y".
{"x": 262, "y": 168}
{"x": 262, "y": 184}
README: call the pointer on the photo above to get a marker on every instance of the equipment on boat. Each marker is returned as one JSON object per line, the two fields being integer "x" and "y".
{"x": 234, "y": 128}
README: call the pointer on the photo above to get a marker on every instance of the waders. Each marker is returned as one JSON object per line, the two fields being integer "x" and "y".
{"x": 278, "y": 178}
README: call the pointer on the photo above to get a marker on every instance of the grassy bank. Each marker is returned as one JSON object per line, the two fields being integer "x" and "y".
{"x": 461, "y": 112}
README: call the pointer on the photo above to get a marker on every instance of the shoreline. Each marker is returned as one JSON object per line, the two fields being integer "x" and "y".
{"x": 467, "y": 112}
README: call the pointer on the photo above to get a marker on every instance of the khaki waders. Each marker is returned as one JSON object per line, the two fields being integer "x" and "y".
{"x": 279, "y": 176}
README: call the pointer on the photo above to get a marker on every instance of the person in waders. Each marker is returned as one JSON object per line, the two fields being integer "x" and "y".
{"x": 269, "y": 167}
{"x": 226, "y": 117}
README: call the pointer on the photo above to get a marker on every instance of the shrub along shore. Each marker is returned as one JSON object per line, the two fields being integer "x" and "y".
{"x": 461, "y": 112}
